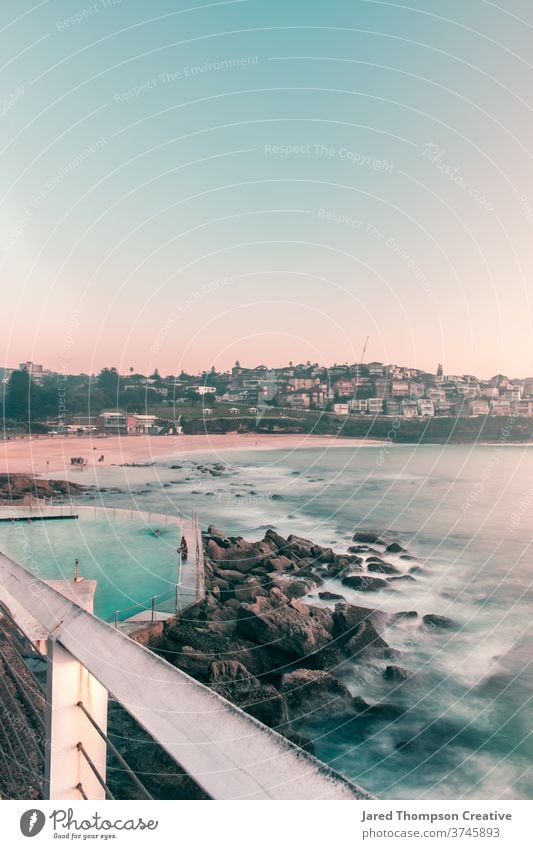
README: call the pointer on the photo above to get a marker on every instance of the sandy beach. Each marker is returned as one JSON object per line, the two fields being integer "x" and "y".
{"x": 47, "y": 455}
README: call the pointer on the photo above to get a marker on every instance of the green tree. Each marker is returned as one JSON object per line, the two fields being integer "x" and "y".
{"x": 18, "y": 406}
{"x": 108, "y": 382}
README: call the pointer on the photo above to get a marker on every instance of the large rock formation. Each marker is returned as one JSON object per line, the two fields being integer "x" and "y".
{"x": 16, "y": 487}
{"x": 259, "y": 638}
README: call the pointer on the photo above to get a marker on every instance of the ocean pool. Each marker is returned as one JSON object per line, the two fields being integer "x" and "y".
{"x": 119, "y": 549}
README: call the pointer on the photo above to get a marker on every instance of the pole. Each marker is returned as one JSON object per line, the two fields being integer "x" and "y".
{"x": 178, "y": 606}
{"x": 153, "y": 608}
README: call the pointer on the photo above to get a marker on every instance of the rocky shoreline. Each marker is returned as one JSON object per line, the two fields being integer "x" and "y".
{"x": 18, "y": 488}
{"x": 259, "y": 639}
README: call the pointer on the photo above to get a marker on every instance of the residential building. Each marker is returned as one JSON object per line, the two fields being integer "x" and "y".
{"x": 359, "y": 405}
{"x": 512, "y": 393}
{"x": 113, "y": 423}
{"x": 528, "y": 387}
{"x": 296, "y": 400}
{"x": 416, "y": 389}
{"x": 343, "y": 388}
{"x": 375, "y": 406}
{"x": 409, "y": 409}
{"x": 141, "y": 424}
{"x": 400, "y": 388}
{"x": 436, "y": 394}
{"x": 426, "y": 408}
{"x": 297, "y": 383}
{"x": 31, "y": 368}
{"x": 500, "y": 407}
{"x": 522, "y": 408}
{"x": 489, "y": 391}
{"x": 381, "y": 387}
{"x": 204, "y": 390}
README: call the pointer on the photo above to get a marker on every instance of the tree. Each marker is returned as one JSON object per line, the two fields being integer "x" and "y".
{"x": 18, "y": 396}
{"x": 108, "y": 381}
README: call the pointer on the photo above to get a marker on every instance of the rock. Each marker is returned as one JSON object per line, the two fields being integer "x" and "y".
{"x": 402, "y": 578}
{"x": 231, "y": 679}
{"x": 292, "y": 630}
{"x": 367, "y": 537}
{"x": 299, "y": 546}
{"x": 242, "y": 556}
{"x": 418, "y": 570}
{"x": 395, "y": 548}
{"x": 280, "y": 563}
{"x": 277, "y": 542}
{"x": 222, "y": 542}
{"x": 348, "y": 617}
{"x": 213, "y": 593}
{"x": 233, "y": 676}
{"x": 365, "y": 640}
{"x": 407, "y": 557}
{"x": 328, "y": 596}
{"x": 382, "y": 568}
{"x": 292, "y": 587}
{"x": 384, "y": 711}
{"x": 17, "y": 486}
{"x": 249, "y": 590}
{"x": 214, "y": 550}
{"x": 433, "y": 620}
{"x": 304, "y": 548}
{"x": 309, "y": 574}
{"x": 309, "y": 692}
{"x": 343, "y": 561}
{"x": 232, "y": 603}
{"x": 232, "y": 576}
{"x": 225, "y": 590}
{"x": 404, "y": 614}
{"x": 278, "y": 598}
{"x": 363, "y": 583}
{"x": 392, "y": 654}
{"x": 396, "y": 674}
{"x": 194, "y": 662}
{"x": 268, "y": 706}
{"x": 356, "y": 629}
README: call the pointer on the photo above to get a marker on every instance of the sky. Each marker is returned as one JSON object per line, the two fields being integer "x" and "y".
{"x": 185, "y": 184}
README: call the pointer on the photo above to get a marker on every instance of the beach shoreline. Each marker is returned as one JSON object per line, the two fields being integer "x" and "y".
{"x": 47, "y": 455}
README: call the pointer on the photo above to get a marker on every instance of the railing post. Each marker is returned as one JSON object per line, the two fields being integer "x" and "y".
{"x": 153, "y": 608}
{"x": 69, "y": 682}
{"x": 116, "y": 618}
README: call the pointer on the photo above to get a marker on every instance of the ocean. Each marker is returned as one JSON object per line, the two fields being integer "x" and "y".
{"x": 461, "y": 725}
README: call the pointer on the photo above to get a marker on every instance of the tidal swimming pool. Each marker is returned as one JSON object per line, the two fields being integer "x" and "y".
{"x": 132, "y": 556}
